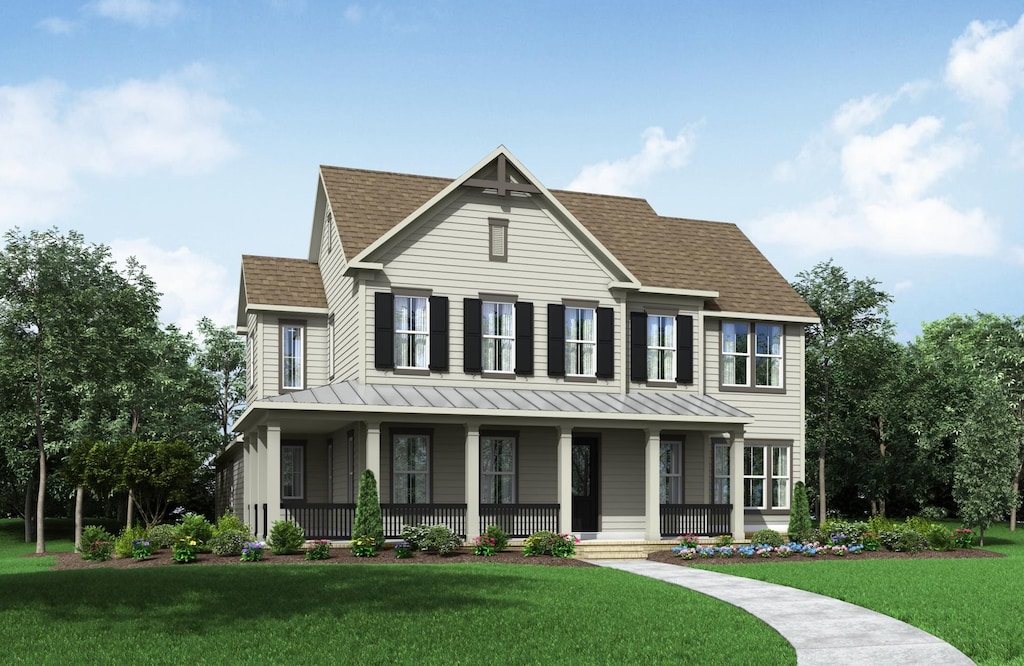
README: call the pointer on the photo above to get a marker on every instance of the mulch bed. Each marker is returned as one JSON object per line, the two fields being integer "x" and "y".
{"x": 669, "y": 557}
{"x": 66, "y": 561}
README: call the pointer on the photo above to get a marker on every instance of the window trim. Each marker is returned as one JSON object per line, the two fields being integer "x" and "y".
{"x": 671, "y": 349}
{"x": 493, "y": 225}
{"x": 429, "y": 472}
{"x": 425, "y": 332}
{"x": 751, "y": 357}
{"x": 677, "y": 492}
{"x": 302, "y": 326}
{"x": 484, "y": 337}
{"x": 300, "y": 447}
{"x": 768, "y": 476}
{"x": 723, "y": 481}
{"x": 514, "y": 474}
{"x": 592, "y": 371}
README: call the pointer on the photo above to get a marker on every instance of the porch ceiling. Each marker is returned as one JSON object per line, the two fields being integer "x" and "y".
{"x": 384, "y": 399}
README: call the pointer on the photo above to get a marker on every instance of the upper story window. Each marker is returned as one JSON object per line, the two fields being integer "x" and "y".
{"x": 765, "y": 357}
{"x": 499, "y": 340}
{"x": 580, "y": 342}
{"x": 661, "y": 348}
{"x": 293, "y": 348}
{"x": 411, "y": 332}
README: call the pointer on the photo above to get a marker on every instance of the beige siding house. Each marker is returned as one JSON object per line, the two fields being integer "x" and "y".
{"x": 497, "y": 352}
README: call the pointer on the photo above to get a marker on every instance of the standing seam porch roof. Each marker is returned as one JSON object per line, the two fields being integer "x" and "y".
{"x": 575, "y": 403}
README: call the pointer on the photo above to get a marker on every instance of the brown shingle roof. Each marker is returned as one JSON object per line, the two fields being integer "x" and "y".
{"x": 660, "y": 251}
{"x": 279, "y": 281}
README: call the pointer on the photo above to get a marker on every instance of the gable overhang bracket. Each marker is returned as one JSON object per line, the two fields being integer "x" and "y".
{"x": 501, "y": 184}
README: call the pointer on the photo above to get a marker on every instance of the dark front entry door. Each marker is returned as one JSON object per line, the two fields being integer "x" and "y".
{"x": 584, "y": 484}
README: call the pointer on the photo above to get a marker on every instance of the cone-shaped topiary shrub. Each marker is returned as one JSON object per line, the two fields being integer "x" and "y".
{"x": 368, "y": 521}
{"x": 799, "y": 514}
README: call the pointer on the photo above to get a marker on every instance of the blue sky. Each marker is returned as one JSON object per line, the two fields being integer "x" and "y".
{"x": 887, "y": 136}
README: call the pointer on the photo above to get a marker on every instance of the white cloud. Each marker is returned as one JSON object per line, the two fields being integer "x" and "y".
{"x": 193, "y": 286}
{"x": 55, "y": 26}
{"x": 51, "y": 137}
{"x": 986, "y": 63}
{"x": 142, "y": 13}
{"x": 658, "y": 154}
{"x": 902, "y": 287}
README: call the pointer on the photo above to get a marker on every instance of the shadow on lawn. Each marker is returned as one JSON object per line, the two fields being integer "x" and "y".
{"x": 211, "y": 599}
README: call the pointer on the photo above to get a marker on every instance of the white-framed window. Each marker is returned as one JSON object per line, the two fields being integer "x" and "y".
{"x": 499, "y": 336}
{"x": 293, "y": 336}
{"x": 720, "y": 474}
{"x": 411, "y": 332}
{"x": 411, "y": 468}
{"x": 671, "y": 464}
{"x": 766, "y": 354}
{"x": 497, "y": 469}
{"x": 661, "y": 348}
{"x": 766, "y": 476}
{"x": 292, "y": 471}
{"x": 580, "y": 342}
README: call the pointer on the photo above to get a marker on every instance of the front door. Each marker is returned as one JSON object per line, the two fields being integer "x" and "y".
{"x": 584, "y": 484}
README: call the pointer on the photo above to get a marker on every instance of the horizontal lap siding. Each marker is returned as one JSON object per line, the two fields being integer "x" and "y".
{"x": 777, "y": 416}
{"x": 622, "y": 481}
{"x": 448, "y": 460}
{"x": 254, "y": 380}
{"x": 538, "y": 466}
{"x": 316, "y": 350}
{"x": 343, "y": 301}
{"x": 695, "y": 472}
{"x": 316, "y": 471}
{"x": 680, "y": 305}
{"x": 449, "y": 255}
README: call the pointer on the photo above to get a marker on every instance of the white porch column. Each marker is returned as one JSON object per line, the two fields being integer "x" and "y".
{"x": 736, "y": 485}
{"x": 249, "y": 480}
{"x": 652, "y": 484}
{"x": 259, "y": 464}
{"x": 564, "y": 466}
{"x": 472, "y": 481}
{"x": 372, "y": 452}
{"x": 273, "y": 475}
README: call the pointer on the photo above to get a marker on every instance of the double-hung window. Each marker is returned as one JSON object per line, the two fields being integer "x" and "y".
{"x": 765, "y": 355}
{"x": 292, "y": 471}
{"x": 411, "y": 332}
{"x": 497, "y": 469}
{"x": 661, "y": 348}
{"x": 292, "y": 355}
{"x": 671, "y": 471}
{"x": 499, "y": 337}
{"x": 411, "y": 468}
{"x": 766, "y": 477}
{"x": 720, "y": 476}
{"x": 580, "y": 342}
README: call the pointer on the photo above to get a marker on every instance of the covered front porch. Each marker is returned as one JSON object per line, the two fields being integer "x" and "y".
{"x": 618, "y": 475}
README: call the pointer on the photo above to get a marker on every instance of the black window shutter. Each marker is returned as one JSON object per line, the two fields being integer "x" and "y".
{"x": 684, "y": 349}
{"x": 638, "y": 346}
{"x": 606, "y": 343}
{"x": 438, "y": 333}
{"x": 383, "y": 330}
{"x": 472, "y": 335}
{"x": 556, "y": 340}
{"x": 524, "y": 338}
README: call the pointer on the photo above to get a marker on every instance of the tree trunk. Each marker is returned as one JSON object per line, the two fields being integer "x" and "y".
{"x": 30, "y": 528}
{"x": 79, "y": 502}
{"x": 41, "y": 501}
{"x": 1015, "y": 494}
{"x": 131, "y": 509}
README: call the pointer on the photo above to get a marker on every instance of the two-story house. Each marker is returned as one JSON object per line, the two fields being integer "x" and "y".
{"x": 497, "y": 352}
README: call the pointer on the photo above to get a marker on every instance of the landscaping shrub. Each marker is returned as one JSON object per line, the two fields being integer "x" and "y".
{"x": 229, "y": 522}
{"x": 97, "y": 543}
{"x": 142, "y": 548}
{"x": 441, "y": 540}
{"x": 320, "y": 549}
{"x": 196, "y": 526}
{"x": 499, "y": 535}
{"x": 723, "y": 540}
{"x": 879, "y": 524}
{"x": 252, "y": 551}
{"x": 767, "y": 537}
{"x": 364, "y": 546}
{"x": 484, "y": 545}
{"x": 799, "y": 514}
{"x": 368, "y": 520}
{"x": 123, "y": 542}
{"x": 549, "y": 543}
{"x": 286, "y": 537}
{"x": 903, "y": 540}
{"x": 184, "y": 549}
{"x": 918, "y": 524}
{"x": 840, "y": 532}
{"x": 939, "y": 537}
{"x": 415, "y": 535}
{"x": 162, "y": 536}
{"x": 963, "y": 537}
{"x": 229, "y": 542}
{"x": 933, "y": 513}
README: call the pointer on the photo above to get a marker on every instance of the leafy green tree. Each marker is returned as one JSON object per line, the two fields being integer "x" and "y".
{"x": 65, "y": 315}
{"x": 843, "y": 355}
{"x": 368, "y": 520}
{"x": 222, "y": 357}
{"x": 159, "y": 473}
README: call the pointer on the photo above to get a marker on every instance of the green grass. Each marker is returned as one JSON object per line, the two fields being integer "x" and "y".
{"x": 369, "y": 614}
{"x": 974, "y": 604}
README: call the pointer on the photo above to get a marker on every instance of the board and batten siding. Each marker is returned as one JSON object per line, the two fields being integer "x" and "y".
{"x": 448, "y": 254}
{"x": 269, "y": 340}
{"x": 778, "y": 416}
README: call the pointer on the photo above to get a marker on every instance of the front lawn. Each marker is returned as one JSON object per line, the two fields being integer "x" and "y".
{"x": 363, "y": 614}
{"x": 974, "y": 604}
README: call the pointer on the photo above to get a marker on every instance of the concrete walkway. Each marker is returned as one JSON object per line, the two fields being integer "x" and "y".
{"x": 823, "y": 630}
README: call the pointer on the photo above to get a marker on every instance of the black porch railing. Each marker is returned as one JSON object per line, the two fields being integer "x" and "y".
{"x": 519, "y": 520}
{"x": 335, "y": 521}
{"x": 322, "y": 521}
{"x": 397, "y": 515}
{"x": 696, "y": 519}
